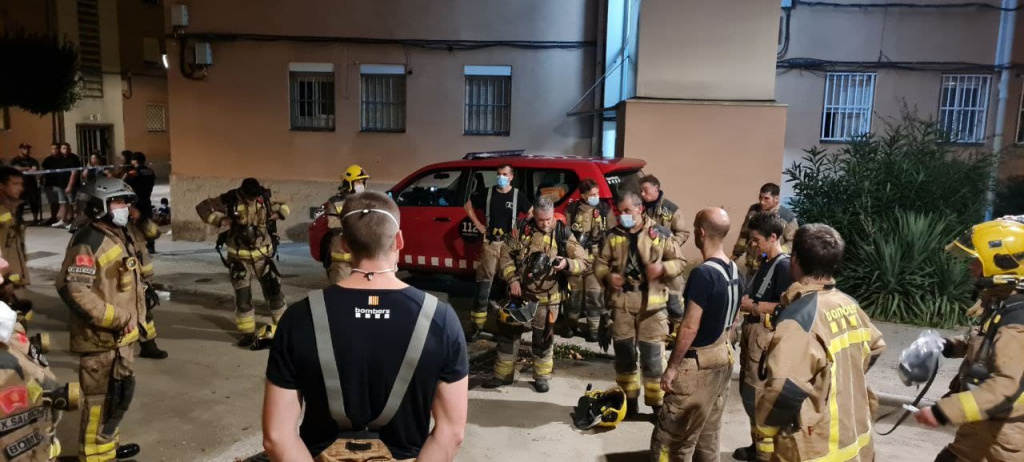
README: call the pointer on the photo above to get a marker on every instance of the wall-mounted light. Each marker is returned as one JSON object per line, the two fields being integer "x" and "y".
{"x": 163, "y": 58}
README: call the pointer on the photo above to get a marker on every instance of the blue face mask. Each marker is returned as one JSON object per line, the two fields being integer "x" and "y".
{"x": 627, "y": 221}
{"x": 503, "y": 181}
{"x": 593, "y": 201}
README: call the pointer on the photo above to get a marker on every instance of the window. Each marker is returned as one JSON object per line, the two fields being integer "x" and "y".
{"x": 557, "y": 185}
{"x": 156, "y": 118}
{"x": 963, "y": 107}
{"x": 848, "y": 100}
{"x": 433, "y": 189}
{"x": 312, "y": 96}
{"x": 382, "y": 98}
{"x": 488, "y": 100}
{"x": 90, "y": 62}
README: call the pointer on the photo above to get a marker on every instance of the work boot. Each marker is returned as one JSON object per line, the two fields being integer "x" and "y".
{"x": 632, "y": 406}
{"x": 129, "y": 450}
{"x": 746, "y": 453}
{"x": 568, "y": 331}
{"x": 151, "y": 351}
{"x": 592, "y": 337}
{"x": 246, "y": 340}
{"x": 495, "y": 382}
{"x": 541, "y": 385}
{"x": 655, "y": 412}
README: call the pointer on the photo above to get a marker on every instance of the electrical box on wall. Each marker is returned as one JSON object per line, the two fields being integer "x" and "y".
{"x": 204, "y": 54}
{"x": 179, "y": 15}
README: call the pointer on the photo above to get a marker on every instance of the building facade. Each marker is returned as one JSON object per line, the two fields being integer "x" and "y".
{"x": 844, "y": 70}
{"x": 124, "y": 84}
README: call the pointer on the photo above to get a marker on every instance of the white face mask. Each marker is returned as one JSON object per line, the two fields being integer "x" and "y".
{"x": 120, "y": 216}
{"x": 8, "y": 318}
{"x": 359, "y": 187}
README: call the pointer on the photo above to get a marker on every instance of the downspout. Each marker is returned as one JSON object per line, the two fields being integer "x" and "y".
{"x": 1004, "y": 53}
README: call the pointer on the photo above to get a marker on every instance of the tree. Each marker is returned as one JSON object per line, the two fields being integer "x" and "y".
{"x": 39, "y": 73}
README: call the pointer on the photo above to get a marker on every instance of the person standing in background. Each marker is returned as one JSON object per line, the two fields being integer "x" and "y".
{"x": 142, "y": 179}
{"x": 25, "y": 163}
{"x": 69, "y": 183}
{"x": 54, "y": 193}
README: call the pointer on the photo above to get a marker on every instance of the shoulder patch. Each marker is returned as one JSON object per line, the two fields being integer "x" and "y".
{"x": 88, "y": 236}
{"x": 786, "y": 215}
{"x": 803, "y": 311}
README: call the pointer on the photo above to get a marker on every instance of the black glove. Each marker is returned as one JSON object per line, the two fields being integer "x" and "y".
{"x": 152, "y": 299}
{"x": 604, "y": 332}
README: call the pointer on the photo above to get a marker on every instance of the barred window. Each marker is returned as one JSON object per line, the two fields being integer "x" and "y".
{"x": 382, "y": 98}
{"x": 156, "y": 118}
{"x": 849, "y": 98}
{"x": 963, "y": 107}
{"x": 312, "y": 100}
{"x": 488, "y": 100}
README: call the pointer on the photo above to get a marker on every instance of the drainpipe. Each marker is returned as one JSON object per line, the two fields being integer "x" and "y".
{"x": 1004, "y": 53}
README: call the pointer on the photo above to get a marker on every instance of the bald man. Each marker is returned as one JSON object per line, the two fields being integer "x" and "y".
{"x": 698, "y": 372}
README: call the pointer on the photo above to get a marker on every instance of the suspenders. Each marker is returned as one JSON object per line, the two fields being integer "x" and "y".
{"x": 329, "y": 366}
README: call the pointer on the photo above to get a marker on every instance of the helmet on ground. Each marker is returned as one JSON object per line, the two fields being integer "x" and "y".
{"x": 94, "y": 198}
{"x": 998, "y": 245}
{"x": 352, "y": 174}
{"x": 600, "y": 408}
{"x": 517, "y": 312}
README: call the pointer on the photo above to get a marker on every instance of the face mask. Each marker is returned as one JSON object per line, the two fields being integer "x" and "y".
{"x": 8, "y": 318}
{"x": 120, "y": 216}
{"x": 503, "y": 181}
{"x": 593, "y": 201}
{"x": 359, "y": 188}
{"x": 627, "y": 221}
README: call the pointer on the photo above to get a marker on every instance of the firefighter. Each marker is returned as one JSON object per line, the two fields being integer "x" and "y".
{"x": 767, "y": 201}
{"x": 637, "y": 262}
{"x": 697, "y": 376}
{"x": 12, "y": 243}
{"x": 144, "y": 229}
{"x": 533, "y": 264}
{"x": 816, "y": 403}
{"x": 986, "y": 400}
{"x": 588, "y": 220}
{"x": 101, "y": 281}
{"x": 763, "y": 296}
{"x": 251, "y": 238}
{"x": 337, "y": 261}
{"x": 502, "y": 205}
{"x": 667, "y": 214}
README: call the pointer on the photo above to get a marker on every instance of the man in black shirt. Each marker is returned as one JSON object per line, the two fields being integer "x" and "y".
{"x": 371, "y": 318}
{"x": 25, "y": 163}
{"x": 502, "y": 204}
{"x": 698, "y": 372}
{"x": 142, "y": 179}
{"x": 51, "y": 182}
{"x": 765, "y": 231}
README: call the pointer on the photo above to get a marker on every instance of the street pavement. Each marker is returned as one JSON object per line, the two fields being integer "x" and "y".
{"x": 204, "y": 402}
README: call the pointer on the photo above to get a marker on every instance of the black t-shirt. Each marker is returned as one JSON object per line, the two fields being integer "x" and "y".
{"x": 369, "y": 351}
{"x": 501, "y": 208}
{"x": 52, "y": 162}
{"x": 142, "y": 180}
{"x": 777, "y": 285}
{"x": 709, "y": 289}
{"x": 26, "y": 163}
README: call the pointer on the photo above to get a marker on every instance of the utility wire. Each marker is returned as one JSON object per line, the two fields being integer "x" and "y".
{"x": 442, "y": 45}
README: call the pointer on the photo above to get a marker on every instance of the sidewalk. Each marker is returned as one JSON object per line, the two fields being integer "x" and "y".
{"x": 194, "y": 268}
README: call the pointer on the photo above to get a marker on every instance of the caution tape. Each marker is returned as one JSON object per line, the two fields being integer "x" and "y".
{"x": 80, "y": 169}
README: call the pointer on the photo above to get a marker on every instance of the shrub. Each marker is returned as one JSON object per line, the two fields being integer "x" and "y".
{"x": 897, "y": 198}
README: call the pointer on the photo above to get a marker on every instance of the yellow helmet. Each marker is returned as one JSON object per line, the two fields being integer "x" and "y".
{"x": 600, "y": 408}
{"x": 352, "y": 174}
{"x": 998, "y": 245}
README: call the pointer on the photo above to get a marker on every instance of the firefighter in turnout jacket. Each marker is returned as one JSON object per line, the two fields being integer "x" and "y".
{"x": 143, "y": 229}
{"x": 638, "y": 260}
{"x": 987, "y": 398}
{"x": 767, "y": 201}
{"x": 12, "y": 243}
{"x": 816, "y": 403}
{"x": 251, "y": 238}
{"x": 336, "y": 260}
{"x": 101, "y": 281}
{"x": 533, "y": 263}
{"x": 666, "y": 214}
{"x": 588, "y": 220}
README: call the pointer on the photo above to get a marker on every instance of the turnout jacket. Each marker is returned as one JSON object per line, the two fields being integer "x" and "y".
{"x": 531, "y": 239}
{"x": 12, "y": 242}
{"x": 101, "y": 280}
{"x": 654, "y": 244}
{"x": 816, "y": 402}
{"x": 991, "y": 381}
